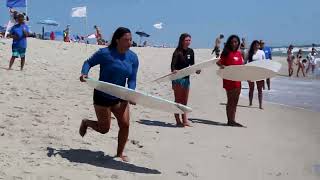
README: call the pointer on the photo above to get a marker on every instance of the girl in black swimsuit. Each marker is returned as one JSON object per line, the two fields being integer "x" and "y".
{"x": 300, "y": 64}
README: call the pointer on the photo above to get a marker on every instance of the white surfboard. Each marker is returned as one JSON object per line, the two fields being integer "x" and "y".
{"x": 187, "y": 71}
{"x": 137, "y": 97}
{"x": 255, "y": 71}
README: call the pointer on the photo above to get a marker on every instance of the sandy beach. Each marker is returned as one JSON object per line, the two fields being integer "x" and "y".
{"x": 41, "y": 109}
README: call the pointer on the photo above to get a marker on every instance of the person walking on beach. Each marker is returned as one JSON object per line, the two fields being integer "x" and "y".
{"x": 66, "y": 34}
{"x": 118, "y": 65}
{"x": 52, "y": 36}
{"x": 19, "y": 33}
{"x": 182, "y": 57}
{"x": 290, "y": 58}
{"x": 231, "y": 56}
{"x": 255, "y": 54}
{"x": 312, "y": 61}
{"x": 268, "y": 53}
{"x": 300, "y": 64}
{"x": 217, "y": 45}
{"x": 100, "y": 41}
{"x": 243, "y": 48}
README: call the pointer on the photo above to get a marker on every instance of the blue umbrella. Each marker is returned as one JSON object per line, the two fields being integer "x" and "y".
{"x": 142, "y": 34}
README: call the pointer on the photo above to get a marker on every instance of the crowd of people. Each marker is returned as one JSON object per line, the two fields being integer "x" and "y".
{"x": 304, "y": 63}
{"x": 125, "y": 64}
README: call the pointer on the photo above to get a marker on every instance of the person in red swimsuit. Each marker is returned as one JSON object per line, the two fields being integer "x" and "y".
{"x": 231, "y": 56}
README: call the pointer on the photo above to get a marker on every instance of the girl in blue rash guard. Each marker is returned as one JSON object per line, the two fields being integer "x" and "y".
{"x": 118, "y": 65}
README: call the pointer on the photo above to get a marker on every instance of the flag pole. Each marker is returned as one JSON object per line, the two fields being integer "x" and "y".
{"x": 86, "y": 29}
{"x": 26, "y": 7}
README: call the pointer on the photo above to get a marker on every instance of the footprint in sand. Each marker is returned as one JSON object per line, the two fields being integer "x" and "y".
{"x": 12, "y": 116}
{"x": 182, "y": 173}
{"x": 137, "y": 143}
{"x": 113, "y": 176}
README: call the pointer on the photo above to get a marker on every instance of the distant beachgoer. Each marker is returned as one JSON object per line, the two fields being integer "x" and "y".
{"x": 255, "y": 54}
{"x": 144, "y": 44}
{"x": 134, "y": 44}
{"x": 312, "y": 60}
{"x": 268, "y": 53}
{"x": 182, "y": 57}
{"x": 99, "y": 38}
{"x": 290, "y": 58}
{"x": 243, "y": 48}
{"x": 300, "y": 63}
{"x": 118, "y": 65}
{"x": 52, "y": 36}
{"x": 66, "y": 34}
{"x": 19, "y": 33}
{"x": 217, "y": 45}
{"x": 231, "y": 56}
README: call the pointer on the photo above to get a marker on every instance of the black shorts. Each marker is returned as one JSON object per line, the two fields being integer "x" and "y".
{"x": 217, "y": 50}
{"x": 101, "y": 100}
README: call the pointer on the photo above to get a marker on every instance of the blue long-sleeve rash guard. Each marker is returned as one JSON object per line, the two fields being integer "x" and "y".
{"x": 115, "y": 68}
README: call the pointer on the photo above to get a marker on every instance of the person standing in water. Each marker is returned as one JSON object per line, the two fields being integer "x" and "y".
{"x": 118, "y": 65}
{"x": 268, "y": 53}
{"x": 231, "y": 56}
{"x": 300, "y": 63}
{"x": 182, "y": 57}
{"x": 255, "y": 54}
{"x": 217, "y": 45}
{"x": 312, "y": 61}
{"x": 19, "y": 33}
{"x": 290, "y": 58}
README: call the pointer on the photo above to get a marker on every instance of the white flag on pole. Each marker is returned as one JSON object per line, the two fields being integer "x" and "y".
{"x": 158, "y": 25}
{"x": 79, "y": 12}
{"x": 9, "y": 26}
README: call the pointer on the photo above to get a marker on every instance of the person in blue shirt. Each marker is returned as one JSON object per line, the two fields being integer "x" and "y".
{"x": 19, "y": 33}
{"x": 268, "y": 53}
{"x": 118, "y": 65}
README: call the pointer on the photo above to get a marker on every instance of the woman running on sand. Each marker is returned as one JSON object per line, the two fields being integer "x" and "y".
{"x": 255, "y": 54}
{"x": 300, "y": 63}
{"x": 231, "y": 56}
{"x": 182, "y": 57}
{"x": 290, "y": 59}
{"x": 118, "y": 65}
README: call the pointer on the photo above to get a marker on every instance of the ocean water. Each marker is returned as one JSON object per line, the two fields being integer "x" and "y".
{"x": 294, "y": 92}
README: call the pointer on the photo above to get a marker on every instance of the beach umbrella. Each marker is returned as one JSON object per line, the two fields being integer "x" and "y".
{"x": 47, "y": 22}
{"x": 142, "y": 34}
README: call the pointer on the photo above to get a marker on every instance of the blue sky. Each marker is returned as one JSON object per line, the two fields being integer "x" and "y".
{"x": 278, "y": 22}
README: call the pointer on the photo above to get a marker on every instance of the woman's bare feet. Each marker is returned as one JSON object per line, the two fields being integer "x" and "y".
{"x": 123, "y": 158}
{"x": 83, "y": 128}
{"x": 186, "y": 125}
